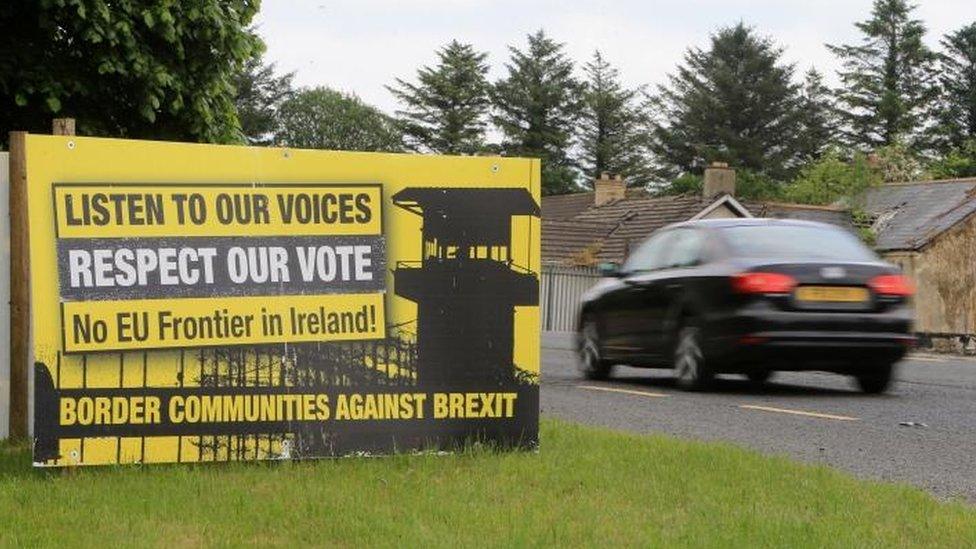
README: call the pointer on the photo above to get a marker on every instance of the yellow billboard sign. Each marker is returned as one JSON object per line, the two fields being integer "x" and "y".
{"x": 211, "y": 303}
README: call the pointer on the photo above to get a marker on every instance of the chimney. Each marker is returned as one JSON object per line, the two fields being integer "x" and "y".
{"x": 719, "y": 178}
{"x": 608, "y": 189}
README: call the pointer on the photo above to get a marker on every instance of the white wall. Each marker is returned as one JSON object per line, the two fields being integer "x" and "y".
{"x": 4, "y": 296}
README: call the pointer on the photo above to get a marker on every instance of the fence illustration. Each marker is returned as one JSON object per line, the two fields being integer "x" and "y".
{"x": 378, "y": 364}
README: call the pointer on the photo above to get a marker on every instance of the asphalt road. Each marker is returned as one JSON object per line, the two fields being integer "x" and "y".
{"x": 812, "y": 417}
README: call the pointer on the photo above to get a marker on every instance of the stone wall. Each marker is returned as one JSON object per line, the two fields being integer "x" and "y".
{"x": 944, "y": 273}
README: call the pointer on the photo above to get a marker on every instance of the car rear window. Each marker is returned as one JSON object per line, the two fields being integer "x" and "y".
{"x": 796, "y": 241}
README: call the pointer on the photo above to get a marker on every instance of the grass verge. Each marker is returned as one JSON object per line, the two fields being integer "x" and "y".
{"x": 586, "y": 487}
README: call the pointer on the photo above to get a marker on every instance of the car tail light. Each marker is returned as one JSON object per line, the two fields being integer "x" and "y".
{"x": 763, "y": 283}
{"x": 892, "y": 285}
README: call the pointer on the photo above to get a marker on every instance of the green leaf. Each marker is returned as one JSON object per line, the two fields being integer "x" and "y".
{"x": 148, "y": 113}
{"x": 101, "y": 50}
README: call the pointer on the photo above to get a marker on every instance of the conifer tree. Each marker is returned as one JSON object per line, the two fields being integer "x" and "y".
{"x": 733, "y": 102}
{"x": 612, "y": 126}
{"x": 537, "y": 106}
{"x": 957, "y": 108}
{"x": 446, "y": 111}
{"x": 818, "y": 117}
{"x": 887, "y": 80}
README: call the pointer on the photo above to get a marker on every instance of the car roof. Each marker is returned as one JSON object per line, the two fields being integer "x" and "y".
{"x": 723, "y": 223}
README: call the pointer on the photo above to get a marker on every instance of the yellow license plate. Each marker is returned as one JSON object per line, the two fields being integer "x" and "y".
{"x": 834, "y": 294}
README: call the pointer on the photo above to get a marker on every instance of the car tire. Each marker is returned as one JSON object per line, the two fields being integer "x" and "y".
{"x": 691, "y": 370}
{"x": 759, "y": 377}
{"x": 876, "y": 380}
{"x": 590, "y": 360}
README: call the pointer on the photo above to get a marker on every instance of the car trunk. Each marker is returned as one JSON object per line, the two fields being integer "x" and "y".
{"x": 827, "y": 286}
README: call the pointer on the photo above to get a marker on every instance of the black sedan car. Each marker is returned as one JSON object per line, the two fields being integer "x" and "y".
{"x": 749, "y": 296}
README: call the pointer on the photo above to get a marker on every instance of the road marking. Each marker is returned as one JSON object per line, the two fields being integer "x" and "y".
{"x": 625, "y": 391}
{"x": 925, "y": 358}
{"x": 797, "y": 412}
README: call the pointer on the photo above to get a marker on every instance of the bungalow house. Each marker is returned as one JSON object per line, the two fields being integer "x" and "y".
{"x": 582, "y": 230}
{"x": 929, "y": 229}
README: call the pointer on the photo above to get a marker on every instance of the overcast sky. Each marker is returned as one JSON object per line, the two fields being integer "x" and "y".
{"x": 361, "y": 45}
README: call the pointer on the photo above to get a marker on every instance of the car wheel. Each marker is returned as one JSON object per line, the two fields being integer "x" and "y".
{"x": 759, "y": 377}
{"x": 877, "y": 380}
{"x": 590, "y": 362}
{"x": 690, "y": 369}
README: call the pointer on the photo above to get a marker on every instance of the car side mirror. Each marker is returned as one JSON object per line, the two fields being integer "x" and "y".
{"x": 609, "y": 269}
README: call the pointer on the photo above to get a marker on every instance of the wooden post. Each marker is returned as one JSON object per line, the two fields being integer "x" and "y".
{"x": 19, "y": 287}
{"x": 20, "y": 317}
{"x": 63, "y": 126}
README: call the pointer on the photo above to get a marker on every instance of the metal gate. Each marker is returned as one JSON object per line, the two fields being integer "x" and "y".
{"x": 560, "y": 294}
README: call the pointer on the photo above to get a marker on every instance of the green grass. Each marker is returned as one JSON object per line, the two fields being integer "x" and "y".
{"x": 586, "y": 487}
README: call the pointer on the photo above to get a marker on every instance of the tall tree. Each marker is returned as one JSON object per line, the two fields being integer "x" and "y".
{"x": 612, "y": 126}
{"x": 887, "y": 80}
{"x": 733, "y": 102}
{"x": 537, "y": 106}
{"x": 957, "y": 109}
{"x": 139, "y": 68}
{"x": 260, "y": 93}
{"x": 322, "y": 118}
{"x": 447, "y": 110}
{"x": 818, "y": 118}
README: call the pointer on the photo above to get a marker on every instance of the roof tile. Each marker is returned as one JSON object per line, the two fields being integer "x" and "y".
{"x": 910, "y": 215}
{"x": 609, "y": 231}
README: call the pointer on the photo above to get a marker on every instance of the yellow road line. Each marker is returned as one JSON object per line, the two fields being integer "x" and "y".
{"x": 625, "y": 391}
{"x": 925, "y": 358}
{"x": 797, "y": 412}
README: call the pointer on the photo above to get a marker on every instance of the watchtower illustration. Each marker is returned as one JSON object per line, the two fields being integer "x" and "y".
{"x": 466, "y": 285}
